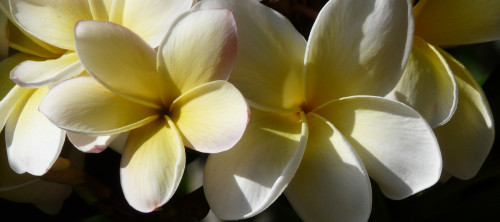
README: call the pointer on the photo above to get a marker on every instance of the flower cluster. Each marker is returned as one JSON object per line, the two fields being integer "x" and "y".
{"x": 369, "y": 94}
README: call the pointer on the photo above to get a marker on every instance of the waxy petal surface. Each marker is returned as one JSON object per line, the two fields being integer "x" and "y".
{"x": 331, "y": 181}
{"x": 357, "y": 48}
{"x": 101, "y": 9}
{"x": 152, "y": 165}
{"x": 467, "y": 138}
{"x": 211, "y": 117}
{"x": 269, "y": 65}
{"x": 457, "y": 22}
{"x": 246, "y": 179}
{"x": 84, "y": 106}
{"x": 90, "y": 144}
{"x": 397, "y": 146}
{"x": 119, "y": 59}
{"x": 213, "y": 42}
{"x": 427, "y": 85}
{"x": 22, "y": 42}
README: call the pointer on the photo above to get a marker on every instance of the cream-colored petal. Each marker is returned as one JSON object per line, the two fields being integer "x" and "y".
{"x": 35, "y": 74}
{"x": 100, "y": 9}
{"x": 397, "y": 146}
{"x": 150, "y": 19}
{"x": 119, "y": 142}
{"x": 246, "y": 179}
{"x": 152, "y": 165}
{"x": 4, "y": 36}
{"x": 82, "y": 105}
{"x": 51, "y": 21}
{"x": 357, "y": 48}
{"x": 207, "y": 35}
{"x": 331, "y": 181}
{"x": 91, "y": 144}
{"x": 427, "y": 85}
{"x": 269, "y": 64}
{"x": 23, "y": 42}
{"x": 211, "y": 117}
{"x": 467, "y": 138}
{"x": 33, "y": 142}
{"x": 458, "y": 22}
{"x": 119, "y": 59}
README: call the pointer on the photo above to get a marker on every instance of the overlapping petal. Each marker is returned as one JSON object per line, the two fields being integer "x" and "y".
{"x": 357, "y": 48}
{"x": 269, "y": 66}
{"x": 84, "y": 106}
{"x": 457, "y": 22}
{"x": 152, "y": 165}
{"x": 191, "y": 37}
{"x": 468, "y": 137}
{"x": 148, "y": 18}
{"x": 211, "y": 117}
{"x": 33, "y": 142}
{"x": 101, "y": 9}
{"x": 246, "y": 179}
{"x": 34, "y": 74}
{"x": 331, "y": 182}
{"x": 397, "y": 146}
{"x": 54, "y": 21}
{"x": 91, "y": 144}
{"x": 119, "y": 59}
{"x": 428, "y": 85}
{"x": 22, "y": 42}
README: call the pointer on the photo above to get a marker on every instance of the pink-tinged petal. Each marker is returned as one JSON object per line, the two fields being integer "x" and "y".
{"x": 397, "y": 146}
{"x": 35, "y": 74}
{"x": 467, "y": 138}
{"x": 208, "y": 35}
{"x": 119, "y": 59}
{"x": 427, "y": 85}
{"x": 82, "y": 105}
{"x": 457, "y": 22}
{"x": 211, "y": 117}
{"x": 152, "y": 165}
{"x": 270, "y": 60}
{"x": 246, "y": 179}
{"x": 33, "y": 142}
{"x": 357, "y": 48}
{"x": 331, "y": 181}
{"x": 91, "y": 144}
{"x": 54, "y": 21}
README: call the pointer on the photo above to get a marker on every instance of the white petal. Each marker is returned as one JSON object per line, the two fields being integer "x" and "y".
{"x": 91, "y": 144}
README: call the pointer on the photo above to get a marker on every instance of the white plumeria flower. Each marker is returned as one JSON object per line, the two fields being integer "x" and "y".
{"x": 168, "y": 99}
{"x": 319, "y": 125}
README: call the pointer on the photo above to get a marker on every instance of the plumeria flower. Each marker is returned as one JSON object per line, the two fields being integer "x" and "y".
{"x": 442, "y": 89}
{"x": 319, "y": 127}
{"x": 168, "y": 99}
{"x": 44, "y": 29}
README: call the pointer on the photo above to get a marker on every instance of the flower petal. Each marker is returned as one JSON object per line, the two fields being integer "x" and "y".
{"x": 119, "y": 59}
{"x": 457, "y": 22}
{"x": 91, "y": 144}
{"x": 269, "y": 65}
{"x": 54, "y": 21}
{"x": 357, "y": 48}
{"x": 211, "y": 117}
{"x": 22, "y": 42}
{"x": 152, "y": 165}
{"x": 246, "y": 179}
{"x": 150, "y": 19}
{"x": 82, "y": 105}
{"x": 118, "y": 143}
{"x": 35, "y": 74}
{"x": 100, "y": 9}
{"x": 397, "y": 146}
{"x": 33, "y": 142}
{"x": 331, "y": 181}
{"x": 427, "y": 85}
{"x": 209, "y": 36}
{"x": 467, "y": 138}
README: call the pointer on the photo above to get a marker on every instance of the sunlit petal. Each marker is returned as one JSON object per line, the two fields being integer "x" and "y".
{"x": 91, "y": 144}
{"x": 100, "y": 9}
{"x": 21, "y": 41}
{"x": 467, "y": 138}
{"x": 357, "y": 48}
{"x": 246, "y": 179}
{"x": 331, "y": 181}
{"x": 82, "y": 105}
{"x": 397, "y": 146}
{"x": 213, "y": 41}
{"x": 269, "y": 65}
{"x": 152, "y": 165}
{"x": 457, "y": 22}
{"x": 428, "y": 85}
{"x": 211, "y": 117}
